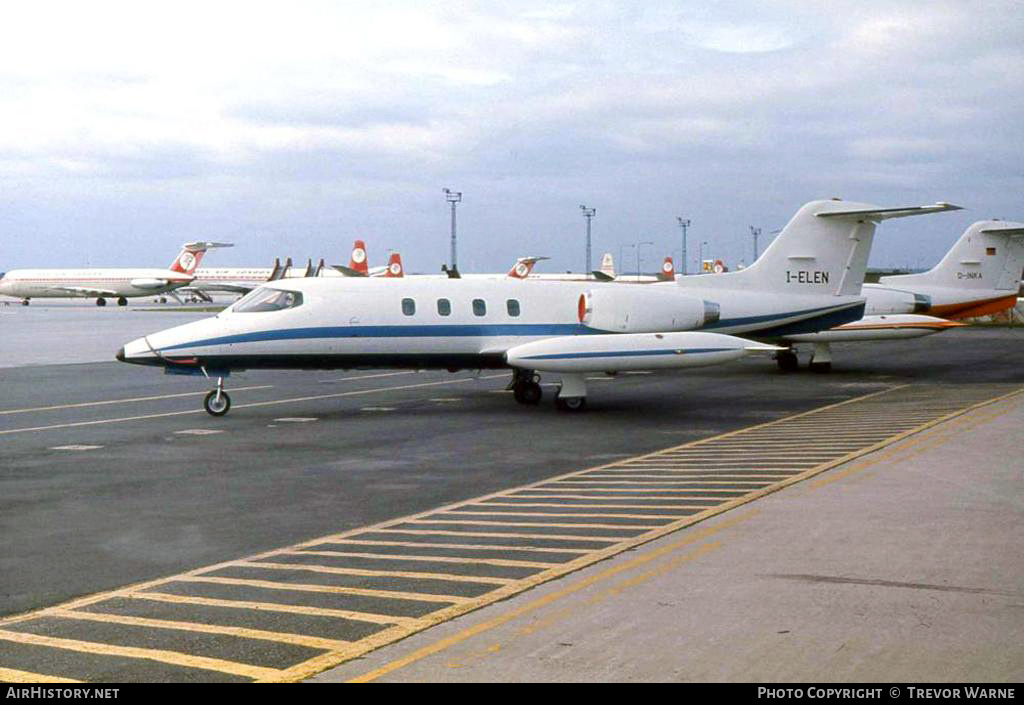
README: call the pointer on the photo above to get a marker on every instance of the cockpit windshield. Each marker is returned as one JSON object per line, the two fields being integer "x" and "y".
{"x": 267, "y": 299}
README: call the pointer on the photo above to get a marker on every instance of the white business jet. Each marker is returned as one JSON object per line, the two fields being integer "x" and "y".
{"x": 808, "y": 279}
{"x": 980, "y": 275}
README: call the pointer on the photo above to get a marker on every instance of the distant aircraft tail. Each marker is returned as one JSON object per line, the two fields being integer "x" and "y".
{"x": 191, "y": 254}
{"x": 357, "y": 262}
{"x": 822, "y": 250}
{"x": 668, "y": 271}
{"x": 989, "y": 255}
{"x": 394, "y": 266}
{"x": 523, "y": 266}
{"x": 608, "y": 265}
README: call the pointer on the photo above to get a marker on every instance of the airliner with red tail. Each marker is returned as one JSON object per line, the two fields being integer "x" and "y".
{"x": 122, "y": 283}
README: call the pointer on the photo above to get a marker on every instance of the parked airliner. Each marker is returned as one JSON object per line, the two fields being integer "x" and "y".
{"x": 123, "y": 283}
{"x": 808, "y": 280}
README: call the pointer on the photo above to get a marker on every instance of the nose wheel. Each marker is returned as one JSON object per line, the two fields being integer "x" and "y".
{"x": 217, "y": 402}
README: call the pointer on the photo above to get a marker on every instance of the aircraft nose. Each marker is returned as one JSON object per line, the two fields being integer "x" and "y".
{"x": 120, "y": 355}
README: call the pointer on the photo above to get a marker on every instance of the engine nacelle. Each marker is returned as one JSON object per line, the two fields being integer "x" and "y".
{"x": 884, "y": 299}
{"x": 146, "y": 283}
{"x": 628, "y": 308}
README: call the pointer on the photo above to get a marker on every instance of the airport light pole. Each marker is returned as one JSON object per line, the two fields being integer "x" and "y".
{"x": 701, "y": 262}
{"x": 756, "y": 232}
{"x": 638, "y": 246}
{"x": 589, "y": 214}
{"x": 453, "y": 197}
{"x": 684, "y": 223}
{"x": 622, "y": 260}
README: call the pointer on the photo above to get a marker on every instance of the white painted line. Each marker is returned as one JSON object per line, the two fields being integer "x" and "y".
{"x": 296, "y": 419}
{"x": 638, "y": 372}
{"x": 445, "y": 399}
{"x": 160, "y": 397}
{"x": 198, "y": 432}
{"x": 75, "y": 447}
{"x": 382, "y": 374}
{"x": 378, "y": 408}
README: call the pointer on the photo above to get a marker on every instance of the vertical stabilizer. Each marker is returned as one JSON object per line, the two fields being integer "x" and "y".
{"x": 988, "y": 255}
{"x": 357, "y": 262}
{"x": 395, "y": 268}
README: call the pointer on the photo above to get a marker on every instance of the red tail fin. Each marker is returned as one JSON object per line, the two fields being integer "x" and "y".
{"x": 523, "y": 266}
{"x": 395, "y": 266}
{"x": 188, "y": 259}
{"x": 668, "y": 271}
{"x": 358, "y": 260}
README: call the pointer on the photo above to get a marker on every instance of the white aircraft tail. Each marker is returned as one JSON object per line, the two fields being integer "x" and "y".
{"x": 823, "y": 250}
{"x": 191, "y": 254}
{"x": 608, "y": 265}
{"x": 989, "y": 255}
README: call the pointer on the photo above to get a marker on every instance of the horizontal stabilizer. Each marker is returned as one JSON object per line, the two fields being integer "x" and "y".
{"x": 602, "y": 276}
{"x": 195, "y": 246}
{"x": 879, "y": 214}
{"x": 1010, "y": 232}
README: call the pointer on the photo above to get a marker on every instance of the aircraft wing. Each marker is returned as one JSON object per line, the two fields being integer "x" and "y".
{"x": 82, "y": 291}
{"x": 347, "y": 271}
{"x": 602, "y": 276}
{"x": 878, "y": 214}
{"x": 229, "y": 287}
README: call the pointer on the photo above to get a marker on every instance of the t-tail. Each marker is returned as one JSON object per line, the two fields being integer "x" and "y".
{"x": 989, "y": 255}
{"x": 607, "y": 270}
{"x": 191, "y": 254}
{"x": 823, "y": 250}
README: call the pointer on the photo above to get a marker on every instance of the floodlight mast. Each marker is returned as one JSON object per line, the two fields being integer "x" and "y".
{"x": 684, "y": 223}
{"x": 588, "y": 213}
{"x": 453, "y": 197}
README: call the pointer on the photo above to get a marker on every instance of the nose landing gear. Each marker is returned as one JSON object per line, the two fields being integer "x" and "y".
{"x": 217, "y": 402}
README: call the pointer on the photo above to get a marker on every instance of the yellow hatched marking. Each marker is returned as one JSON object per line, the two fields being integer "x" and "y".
{"x": 534, "y": 524}
{"x": 268, "y": 606}
{"x": 328, "y": 589}
{"x": 601, "y": 515}
{"x": 460, "y": 546}
{"x": 725, "y": 477}
{"x": 504, "y": 562}
{"x": 282, "y": 637}
{"x": 675, "y": 477}
{"x": 160, "y": 655}
{"x": 10, "y": 675}
{"x": 379, "y": 573}
{"x": 645, "y": 497}
{"x": 693, "y": 485}
{"x": 479, "y": 534}
{"x": 586, "y": 506}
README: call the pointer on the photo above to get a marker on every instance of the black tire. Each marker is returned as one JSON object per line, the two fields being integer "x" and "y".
{"x": 122, "y": 301}
{"x": 101, "y": 301}
{"x": 787, "y": 361}
{"x": 213, "y": 408}
{"x": 575, "y": 404}
{"x": 820, "y": 367}
{"x": 528, "y": 393}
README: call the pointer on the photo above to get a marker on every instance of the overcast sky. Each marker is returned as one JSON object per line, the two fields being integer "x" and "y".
{"x": 290, "y": 128}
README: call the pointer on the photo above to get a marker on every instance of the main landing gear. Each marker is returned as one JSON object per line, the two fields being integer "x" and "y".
{"x": 525, "y": 386}
{"x": 101, "y": 301}
{"x": 787, "y": 360}
{"x": 122, "y": 301}
{"x": 572, "y": 395}
{"x": 821, "y": 358}
{"x": 217, "y": 402}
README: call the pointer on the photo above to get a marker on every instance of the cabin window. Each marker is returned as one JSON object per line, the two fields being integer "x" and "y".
{"x": 408, "y": 307}
{"x": 479, "y": 307}
{"x": 513, "y": 307}
{"x": 267, "y": 299}
{"x": 444, "y": 307}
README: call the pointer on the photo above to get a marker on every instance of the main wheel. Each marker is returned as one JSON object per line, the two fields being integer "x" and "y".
{"x": 101, "y": 302}
{"x": 787, "y": 361}
{"x": 217, "y": 406}
{"x": 528, "y": 393}
{"x": 122, "y": 301}
{"x": 570, "y": 403}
